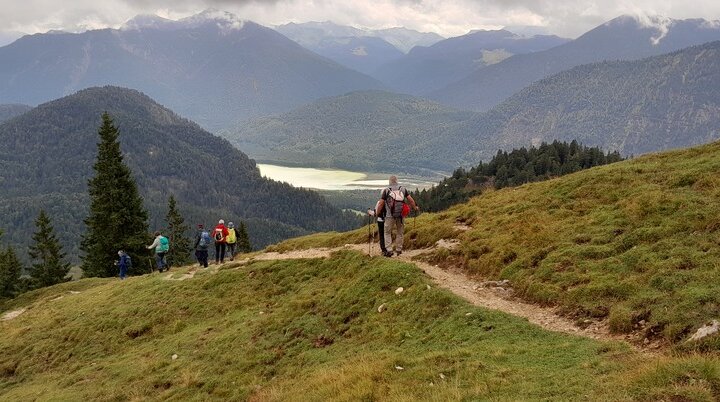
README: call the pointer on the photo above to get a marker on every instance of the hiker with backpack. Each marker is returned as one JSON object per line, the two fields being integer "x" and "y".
{"x": 231, "y": 240}
{"x": 220, "y": 234}
{"x": 202, "y": 243}
{"x": 161, "y": 246}
{"x": 394, "y": 200}
{"x": 380, "y": 218}
{"x": 124, "y": 263}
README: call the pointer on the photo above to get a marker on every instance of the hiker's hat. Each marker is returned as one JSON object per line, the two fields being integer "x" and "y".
{"x": 231, "y": 225}
{"x": 200, "y": 226}
{"x": 221, "y": 222}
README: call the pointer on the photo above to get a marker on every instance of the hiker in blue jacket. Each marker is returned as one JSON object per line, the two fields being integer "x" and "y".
{"x": 161, "y": 246}
{"x": 202, "y": 242}
{"x": 123, "y": 263}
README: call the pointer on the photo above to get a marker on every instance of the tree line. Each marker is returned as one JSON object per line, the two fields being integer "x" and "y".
{"x": 117, "y": 221}
{"x": 514, "y": 168}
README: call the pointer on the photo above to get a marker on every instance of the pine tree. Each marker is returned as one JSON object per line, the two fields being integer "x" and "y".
{"x": 48, "y": 267}
{"x": 117, "y": 218}
{"x": 243, "y": 241}
{"x": 10, "y": 269}
{"x": 177, "y": 234}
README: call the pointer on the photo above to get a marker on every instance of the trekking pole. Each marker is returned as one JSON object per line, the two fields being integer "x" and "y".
{"x": 369, "y": 238}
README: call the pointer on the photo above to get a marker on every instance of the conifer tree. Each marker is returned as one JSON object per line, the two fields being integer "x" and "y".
{"x": 10, "y": 269}
{"x": 177, "y": 234}
{"x": 243, "y": 241}
{"x": 48, "y": 267}
{"x": 117, "y": 218}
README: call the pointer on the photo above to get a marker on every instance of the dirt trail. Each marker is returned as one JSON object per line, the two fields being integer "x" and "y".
{"x": 476, "y": 292}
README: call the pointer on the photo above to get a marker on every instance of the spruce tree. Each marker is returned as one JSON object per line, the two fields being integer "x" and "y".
{"x": 48, "y": 267}
{"x": 177, "y": 234}
{"x": 243, "y": 241}
{"x": 10, "y": 269}
{"x": 117, "y": 218}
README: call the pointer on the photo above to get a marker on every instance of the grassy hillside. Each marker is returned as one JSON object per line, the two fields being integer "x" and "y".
{"x": 636, "y": 242}
{"x": 310, "y": 330}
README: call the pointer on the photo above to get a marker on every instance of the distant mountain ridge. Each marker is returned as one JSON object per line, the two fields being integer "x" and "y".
{"x": 363, "y": 50}
{"x": 634, "y": 107}
{"x": 46, "y": 158}
{"x": 310, "y": 33}
{"x": 212, "y": 67}
{"x": 9, "y": 111}
{"x": 372, "y": 131}
{"x": 623, "y": 38}
{"x": 425, "y": 69}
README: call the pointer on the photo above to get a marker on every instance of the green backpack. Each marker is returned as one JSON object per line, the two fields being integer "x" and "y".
{"x": 164, "y": 246}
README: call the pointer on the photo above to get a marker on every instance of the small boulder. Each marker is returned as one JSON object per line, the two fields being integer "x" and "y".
{"x": 399, "y": 290}
{"x": 382, "y": 308}
{"x": 705, "y": 331}
{"x": 174, "y": 357}
{"x": 399, "y": 368}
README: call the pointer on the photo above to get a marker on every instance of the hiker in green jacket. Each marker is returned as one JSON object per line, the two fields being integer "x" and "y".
{"x": 231, "y": 240}
{"x": 161, "y": 246}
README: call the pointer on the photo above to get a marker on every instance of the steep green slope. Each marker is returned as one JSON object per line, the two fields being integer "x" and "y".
{"x": 367, "y": 131}
{"x": 309, "y": 330}
{"x": 634, "y": 107}
{"x": 46, "y": 158}
{"x": 635, "y": 242}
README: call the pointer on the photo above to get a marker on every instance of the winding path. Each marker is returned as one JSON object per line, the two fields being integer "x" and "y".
{"x": 476, "y": 292}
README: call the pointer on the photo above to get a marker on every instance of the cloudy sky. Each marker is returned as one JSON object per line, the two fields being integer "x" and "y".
{"x": 447, "y": 17}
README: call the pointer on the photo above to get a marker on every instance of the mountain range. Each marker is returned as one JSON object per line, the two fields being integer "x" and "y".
{"x": 623, "y": 38}
{"x": 212, "y": 67}
{"x": 425, "y": 69}
{"x": 47, "y": 154}
{"x": 634, "y": 107}
{"x": 309, "y": 34}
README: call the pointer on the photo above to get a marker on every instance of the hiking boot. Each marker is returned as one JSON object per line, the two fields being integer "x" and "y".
{"x": 388, "y": 254}
{"x": 398, "y": 252}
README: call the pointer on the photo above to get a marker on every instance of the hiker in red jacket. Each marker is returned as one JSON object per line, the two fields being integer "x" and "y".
{"x": 220, "y": 234}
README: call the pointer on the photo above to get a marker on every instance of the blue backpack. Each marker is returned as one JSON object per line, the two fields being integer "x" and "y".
{"x": 204, "y": 239}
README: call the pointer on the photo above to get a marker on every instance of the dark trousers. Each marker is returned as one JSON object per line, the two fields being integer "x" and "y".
{"x": 231, "y": 247}
{"x": 161, "y": 263}
{"x": 381, "y": 230}
{"x": 202, "y": 257}
{"x": 220, "y": 252}
{"x": 123, "y": 271}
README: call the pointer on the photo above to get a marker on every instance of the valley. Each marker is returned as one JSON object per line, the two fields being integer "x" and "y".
{"x": 564, "y": 157}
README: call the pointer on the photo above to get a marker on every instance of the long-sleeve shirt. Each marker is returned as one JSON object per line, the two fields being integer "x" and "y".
{"x": 155, "y": 244}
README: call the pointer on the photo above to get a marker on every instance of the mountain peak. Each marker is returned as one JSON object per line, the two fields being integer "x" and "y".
{"x": 146, "y": 21}
{"x": 223, "y": 19}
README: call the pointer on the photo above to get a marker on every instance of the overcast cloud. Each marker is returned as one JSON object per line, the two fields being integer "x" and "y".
{"x": 447, "y": 17}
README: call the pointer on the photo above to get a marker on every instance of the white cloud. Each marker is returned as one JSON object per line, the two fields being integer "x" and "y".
{"x": 447, "y": 17}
